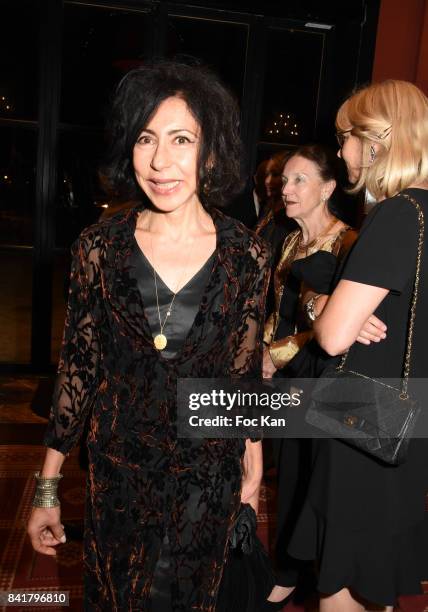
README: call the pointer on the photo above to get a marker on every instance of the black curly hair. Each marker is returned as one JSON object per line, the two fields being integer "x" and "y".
{"x": 137, "y": 98}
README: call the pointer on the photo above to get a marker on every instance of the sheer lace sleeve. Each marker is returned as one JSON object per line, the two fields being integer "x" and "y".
{"x": 77, "y": 377}
{"x": 248, "y": 339}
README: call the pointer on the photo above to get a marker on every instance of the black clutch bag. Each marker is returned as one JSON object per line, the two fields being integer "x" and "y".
{"x": 248, "y": 577}
{"x": 367, "y": 413}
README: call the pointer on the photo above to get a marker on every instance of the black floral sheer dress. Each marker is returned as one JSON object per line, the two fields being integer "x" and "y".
{"x": 159, "y": 508}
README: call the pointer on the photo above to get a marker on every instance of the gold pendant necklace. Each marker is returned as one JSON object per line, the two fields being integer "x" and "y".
{"x": 160, "y": 340}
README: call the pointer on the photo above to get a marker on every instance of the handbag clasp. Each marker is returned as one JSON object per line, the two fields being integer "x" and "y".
{"x": 350, "y": 420}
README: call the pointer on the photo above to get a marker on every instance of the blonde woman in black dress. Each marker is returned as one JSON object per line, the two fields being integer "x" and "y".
{"x": 364, "y": 521}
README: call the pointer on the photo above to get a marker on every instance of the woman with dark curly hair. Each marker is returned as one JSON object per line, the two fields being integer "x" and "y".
{"x": 170, "y": 289}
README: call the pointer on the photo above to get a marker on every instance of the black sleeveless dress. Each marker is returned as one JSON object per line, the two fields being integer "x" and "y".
{"x": 365, "y": 522}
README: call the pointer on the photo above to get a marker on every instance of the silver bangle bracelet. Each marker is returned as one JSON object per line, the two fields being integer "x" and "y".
{"x": 46, "y": 495}
{"x": 310, "y": 308}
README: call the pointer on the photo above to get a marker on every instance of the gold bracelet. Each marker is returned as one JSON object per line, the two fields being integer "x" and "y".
{"x": 46, "y": 495}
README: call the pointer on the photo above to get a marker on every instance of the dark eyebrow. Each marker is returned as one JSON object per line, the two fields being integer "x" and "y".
{"x": 172, "y": 132}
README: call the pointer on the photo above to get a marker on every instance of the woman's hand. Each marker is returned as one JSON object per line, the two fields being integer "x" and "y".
{"x": 268, "y": 366}
{"x": 373, "y": 330}
{"x": 45, "y": 530}
{"x": 252, "y": 474}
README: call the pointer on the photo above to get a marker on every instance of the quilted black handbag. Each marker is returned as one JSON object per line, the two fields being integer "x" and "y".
{"x": 369, "y": 414}
{"x": 248, "y": 577}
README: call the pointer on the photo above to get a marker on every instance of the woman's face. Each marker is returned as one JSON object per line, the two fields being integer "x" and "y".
{"x": 351, "y": 152}
{"x": 303, "y": 191}
{"x": 272, "y": 179}
{"x": 165, "y": 156}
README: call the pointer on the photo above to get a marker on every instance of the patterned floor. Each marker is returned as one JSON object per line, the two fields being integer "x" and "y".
{"x": 23, "y": 408}
{"x": 20, "y": 567}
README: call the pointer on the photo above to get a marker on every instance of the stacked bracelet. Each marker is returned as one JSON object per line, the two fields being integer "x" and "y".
{"x": 46, "y": 495}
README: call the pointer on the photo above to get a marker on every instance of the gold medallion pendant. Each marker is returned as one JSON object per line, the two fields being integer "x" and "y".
{"x": 160, "y": 342}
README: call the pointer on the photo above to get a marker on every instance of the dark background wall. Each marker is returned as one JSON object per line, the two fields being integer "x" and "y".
{"x": 290, "y": 63}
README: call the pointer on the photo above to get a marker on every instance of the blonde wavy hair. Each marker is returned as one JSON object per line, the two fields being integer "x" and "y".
{"x": 393, "y": 115}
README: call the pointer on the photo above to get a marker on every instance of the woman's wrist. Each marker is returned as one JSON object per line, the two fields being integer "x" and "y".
{"x": 46, "y": 495}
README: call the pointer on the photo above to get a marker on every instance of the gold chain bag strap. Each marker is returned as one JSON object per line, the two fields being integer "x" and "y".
{"x": 369, "y": 414}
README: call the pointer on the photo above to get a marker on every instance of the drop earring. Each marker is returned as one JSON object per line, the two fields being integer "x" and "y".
{"x": 206, "y": 186}
{"x": 372, "y": 154}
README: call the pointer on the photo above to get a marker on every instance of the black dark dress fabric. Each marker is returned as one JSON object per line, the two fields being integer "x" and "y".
{"x": 183, "y": 312}
{"x": 153, "y": 497}
{"x": 184, "y": 308}
{"x": 248, "y": 577}
{"x": 320, "y": 271}
{"x": 274, "y": 227}
{"x": 316, "y": 271}
{"x": 365, "y": 521}
{"x": 243, "y": 208}
{"x": 294, "y": 456}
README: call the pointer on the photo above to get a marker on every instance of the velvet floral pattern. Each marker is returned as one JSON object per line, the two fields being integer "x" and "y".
{"x": 151, "y": 494}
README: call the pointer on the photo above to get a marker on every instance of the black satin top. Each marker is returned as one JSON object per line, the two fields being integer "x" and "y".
{"x": 185, "y": 306}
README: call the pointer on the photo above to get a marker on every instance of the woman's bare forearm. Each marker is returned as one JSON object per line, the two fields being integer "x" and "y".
{"x": 345, "y": 315}
{"x": 253, "y": 460}
{"x": 52, "y": 464}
